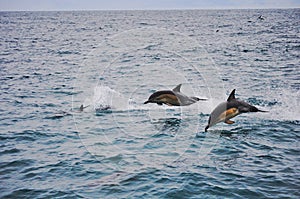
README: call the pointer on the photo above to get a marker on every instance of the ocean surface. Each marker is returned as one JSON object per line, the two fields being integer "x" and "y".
{"x": 110, "y": 62}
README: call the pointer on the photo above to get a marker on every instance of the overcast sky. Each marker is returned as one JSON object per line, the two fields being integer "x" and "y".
{"x": 33, "y": 5}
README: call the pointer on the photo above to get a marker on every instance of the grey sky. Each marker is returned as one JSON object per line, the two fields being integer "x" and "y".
{"x": 33, "y": 5}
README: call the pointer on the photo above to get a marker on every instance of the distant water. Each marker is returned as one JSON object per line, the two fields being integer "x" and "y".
{"x": 117, "y": 147}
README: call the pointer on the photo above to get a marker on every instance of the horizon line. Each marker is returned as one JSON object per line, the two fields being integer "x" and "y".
{"x": 151, "y": 9}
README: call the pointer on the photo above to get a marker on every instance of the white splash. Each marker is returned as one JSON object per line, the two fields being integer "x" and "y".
{"x": 106, "y": 98}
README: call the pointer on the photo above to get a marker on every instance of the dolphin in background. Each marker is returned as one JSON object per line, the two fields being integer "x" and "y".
{"x": 229, "y": 109}
{"x": 81, "y": 108}
{"x": 172, "y": 98}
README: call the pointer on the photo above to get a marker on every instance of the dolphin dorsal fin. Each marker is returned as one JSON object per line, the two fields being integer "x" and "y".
{"x": 177, "y": 88}
{"x": 231, "y": 96}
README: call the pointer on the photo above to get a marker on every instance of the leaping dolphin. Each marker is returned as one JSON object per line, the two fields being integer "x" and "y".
{"x": 172, "y": 98}
{"x": 229, "y": 109}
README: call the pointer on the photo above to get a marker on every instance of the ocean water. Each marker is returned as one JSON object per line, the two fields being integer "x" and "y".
{"x": 117, "y": 147}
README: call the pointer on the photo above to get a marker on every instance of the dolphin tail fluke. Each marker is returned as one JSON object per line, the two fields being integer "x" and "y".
{"x": 81, "y": 107}
{"x": 206, "y": 128}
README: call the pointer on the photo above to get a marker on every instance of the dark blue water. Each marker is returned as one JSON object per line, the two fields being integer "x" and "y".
{"x": 52, "y": 62}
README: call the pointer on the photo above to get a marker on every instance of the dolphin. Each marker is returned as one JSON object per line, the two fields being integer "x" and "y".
{"x": 81, "y": 108}
{"x": 229, "y": 109}
{"x": 260, "y": 17}
{"x": 172, "y": 98}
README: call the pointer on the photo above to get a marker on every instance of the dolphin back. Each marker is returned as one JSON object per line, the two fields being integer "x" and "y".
{"x": 243, "y": 107}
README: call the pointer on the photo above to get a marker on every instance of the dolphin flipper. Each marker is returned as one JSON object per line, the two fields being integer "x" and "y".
{"x": 229, "y": 122}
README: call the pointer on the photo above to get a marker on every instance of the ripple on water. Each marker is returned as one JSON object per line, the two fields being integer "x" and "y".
{"x": 139, "y": 151}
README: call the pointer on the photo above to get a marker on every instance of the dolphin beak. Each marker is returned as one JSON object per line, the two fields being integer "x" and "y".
{"x": 262, "y": 111}
{"x": 146, "y": 102}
